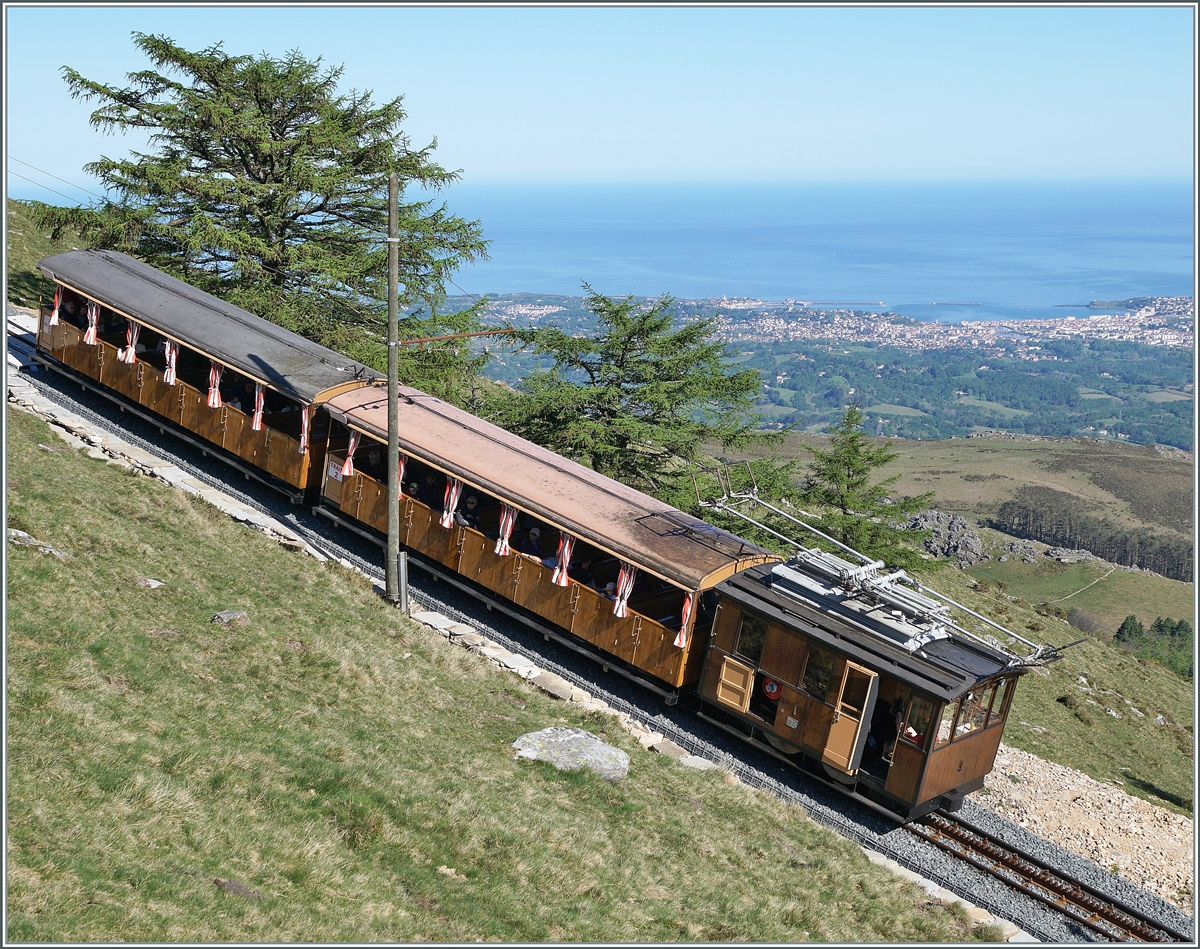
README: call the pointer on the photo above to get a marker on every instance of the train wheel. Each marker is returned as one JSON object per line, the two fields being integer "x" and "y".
{"x": 840, "y": 776}
{"x": 779, "y": 744}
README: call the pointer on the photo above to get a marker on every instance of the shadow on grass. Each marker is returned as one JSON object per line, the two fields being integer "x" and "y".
{"x": 25, "y": 288}
{"x": 1177, "y": 799}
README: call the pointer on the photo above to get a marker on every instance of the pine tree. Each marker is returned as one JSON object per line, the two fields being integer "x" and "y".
{"x": 854, "y": 509}
{"x": 1130, "y": 631}
{"x": 267, "y": 187}
{"x": 637, "y": 398}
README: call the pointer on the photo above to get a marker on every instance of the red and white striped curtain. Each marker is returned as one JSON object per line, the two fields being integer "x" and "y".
{"x": 214, "y": 384}
{"x": 566, "y": 546}
{"x": 400, "y": 466}
{"x": 305, "y": 420}
{"x": 348, "y": 465}
{"x": 90, "y": 337}
{"x": 508, "y": 517}
{"x": 684, "y": 618}
{"x": 57, "y": 303}
{"x": 172, "y": 353}
{"x": 259, "y": 395}
{"x": 450, "y": 505}
{"x": 129, "y": 353}
{"x": 624, "y": 588}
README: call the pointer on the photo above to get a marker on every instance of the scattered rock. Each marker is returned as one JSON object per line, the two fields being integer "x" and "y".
{"x": 1151, "y": 845}
{"x": 1020, "y": 548}
{"x": 670, "y": 749}
{"x": 21, "y": 539}
{"x": 1062, "y": 555}
{"x": 237, "y": 888}
{"x": 232, "y": 618}
{"x": 697, "y": 763}
{"x": 569, "y": 749}
{"x": 555, "y": 686}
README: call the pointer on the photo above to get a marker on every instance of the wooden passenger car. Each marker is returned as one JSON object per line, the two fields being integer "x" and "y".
{"x": 678, "y": 558}
{"x": 878, "y": 695}
{"x": 286, "y": 447}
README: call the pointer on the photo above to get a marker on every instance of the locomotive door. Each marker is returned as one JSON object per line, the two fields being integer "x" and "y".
{"x": 851, "y": 713}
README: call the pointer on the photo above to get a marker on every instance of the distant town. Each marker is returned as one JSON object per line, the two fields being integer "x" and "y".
{"x": 1153, "y": 321}
{"x": 1156, "y": 321}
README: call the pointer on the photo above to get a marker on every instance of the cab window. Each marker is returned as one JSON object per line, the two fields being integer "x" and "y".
{"x": 946, "y": 729}
{"x": 818, "y": 673}
{"x": 998, "y": 702}
{"x": 916, "y": 728}
{"x": 752, "y": 637}
{"x": 974, "y": 711}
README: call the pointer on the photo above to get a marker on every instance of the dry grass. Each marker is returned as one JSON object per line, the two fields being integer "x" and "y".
{"x": 338, "y": 790}
{"x": 1133, "y": 485}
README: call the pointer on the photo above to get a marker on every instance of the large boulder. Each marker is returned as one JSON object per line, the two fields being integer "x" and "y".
{"x": 569, "y": 749}
{"x": 950, "y": 536}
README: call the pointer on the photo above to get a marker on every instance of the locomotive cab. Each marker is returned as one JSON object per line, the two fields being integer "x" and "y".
{"x": 878, "y": 692}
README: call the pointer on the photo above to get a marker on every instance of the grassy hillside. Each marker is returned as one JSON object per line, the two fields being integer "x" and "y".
{"x": 350, "y": 771}
{"x": 27, "y": 244}
{"x": 1105, "y": 594}
{"x": 1133, "y": 485}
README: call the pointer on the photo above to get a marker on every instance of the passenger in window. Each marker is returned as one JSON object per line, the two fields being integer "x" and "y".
{"x": 468, "y": 514}
{"x": 373, "y": 468}
{"x": 246, "y": 398}
{"x": 581, "y": 572}
{"x": 431, "y": 493}
{"x": 610, "y": 591}
{"x": 69, "y": 312}
{"x": 532, "y": 544}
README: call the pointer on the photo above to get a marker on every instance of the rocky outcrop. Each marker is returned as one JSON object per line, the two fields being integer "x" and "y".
{"x": 950, "y": 536}
{"x": 1063, "y": 555}
{"x": 1019, "y": 548}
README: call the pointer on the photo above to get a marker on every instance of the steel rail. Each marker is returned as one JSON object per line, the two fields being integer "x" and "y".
{"x": 1025, "y": 873}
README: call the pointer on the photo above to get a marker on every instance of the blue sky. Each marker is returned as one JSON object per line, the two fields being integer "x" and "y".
{"x": 529, "y": 95}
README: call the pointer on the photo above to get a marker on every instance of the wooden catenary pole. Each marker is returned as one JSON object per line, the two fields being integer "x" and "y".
{"x": 392, "y": 589}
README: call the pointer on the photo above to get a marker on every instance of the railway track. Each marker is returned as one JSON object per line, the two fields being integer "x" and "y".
{"x": 1026, "y": 874}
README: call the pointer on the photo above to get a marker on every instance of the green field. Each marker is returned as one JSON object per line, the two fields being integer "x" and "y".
{"x": 1166, "y": 396}
{"x": 351, "y": 771}
{"x": 1002, "y": 410}
{"x": 1104, "y": 593}
{"x": 27, "y": 245}
{"x": 885, "y": 409}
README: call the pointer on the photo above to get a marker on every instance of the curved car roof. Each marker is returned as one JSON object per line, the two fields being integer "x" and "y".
{"x": 605, "y": 513}
{"x": 256, "y": 347}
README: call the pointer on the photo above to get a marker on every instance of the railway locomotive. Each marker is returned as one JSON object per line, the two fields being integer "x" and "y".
{"x": 849, "y": 672}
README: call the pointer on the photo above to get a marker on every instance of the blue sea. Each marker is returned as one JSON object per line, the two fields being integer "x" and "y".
{"x": 1010, "y": 250}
